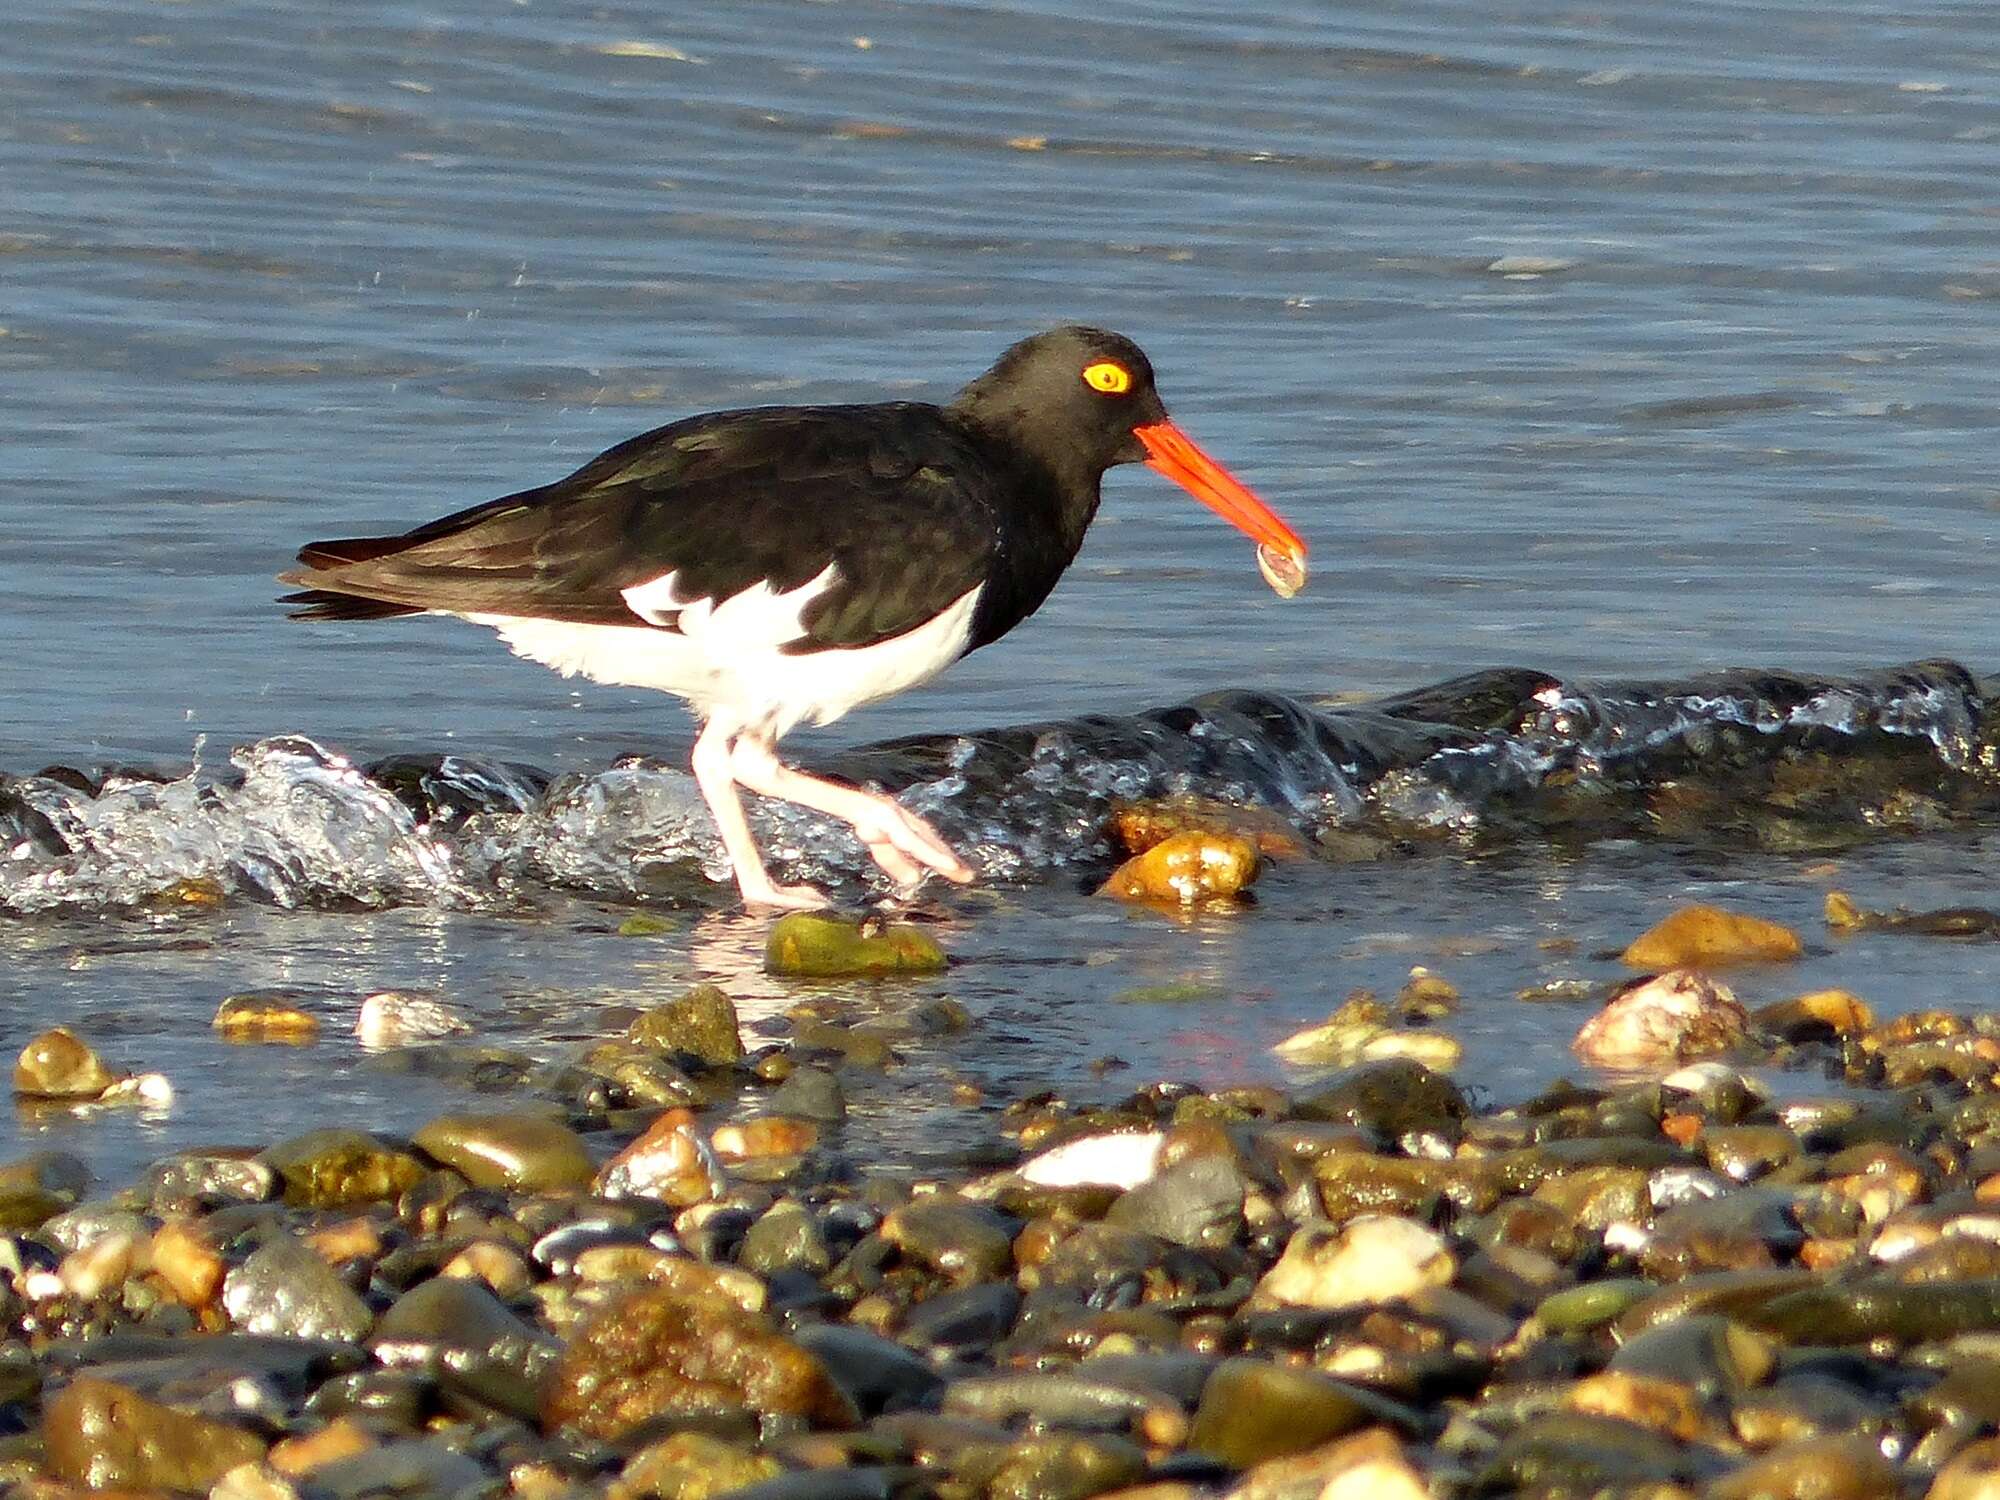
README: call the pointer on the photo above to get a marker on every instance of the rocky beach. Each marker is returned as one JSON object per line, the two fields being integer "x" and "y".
{"x": 1515, "y": 1018}
{"x": 656, "y": 1267}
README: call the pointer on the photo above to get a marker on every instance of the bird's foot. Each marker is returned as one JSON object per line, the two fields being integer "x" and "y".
{"x": 906, "y": 846}
{"x": 766, "y": 892}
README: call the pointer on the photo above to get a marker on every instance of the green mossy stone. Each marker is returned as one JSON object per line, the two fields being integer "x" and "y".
{"x": 702, "y": 1023}
{"x": 816, "y": 946}
{"x": 1578, "y": 1309}
{"x": 645, "y": 924}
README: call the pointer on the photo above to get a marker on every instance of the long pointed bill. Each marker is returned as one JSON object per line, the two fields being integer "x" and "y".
{"x": 1281, "y": 555}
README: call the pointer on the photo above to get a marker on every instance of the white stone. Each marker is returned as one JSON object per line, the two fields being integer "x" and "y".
{"x": 1367, "y": 1261}
{"x": 392, "y": 1017}
{"x": 1122, "y": 1161}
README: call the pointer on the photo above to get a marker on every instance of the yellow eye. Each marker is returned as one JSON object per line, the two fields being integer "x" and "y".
{"x": 1112, "y": 379}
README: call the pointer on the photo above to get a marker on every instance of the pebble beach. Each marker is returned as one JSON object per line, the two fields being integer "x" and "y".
{"x": 656, "y": 1271}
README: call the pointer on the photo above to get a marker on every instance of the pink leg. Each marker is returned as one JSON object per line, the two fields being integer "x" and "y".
{"x": 712, "y": 757}
{"x": 902, "y": 843}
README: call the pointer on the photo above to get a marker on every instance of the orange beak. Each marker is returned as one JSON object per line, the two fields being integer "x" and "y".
{"x": 1281, "y": 555}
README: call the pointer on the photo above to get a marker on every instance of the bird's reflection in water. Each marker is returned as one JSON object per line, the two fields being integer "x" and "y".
{"x": 727, "y": 949}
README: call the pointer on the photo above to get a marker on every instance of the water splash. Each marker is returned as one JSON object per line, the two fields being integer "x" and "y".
{"x": 1760, "y": 758}
{"x": 296, "y": 824}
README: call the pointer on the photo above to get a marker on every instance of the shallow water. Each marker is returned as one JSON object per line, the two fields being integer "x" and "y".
{"x": 1617, "y": 345}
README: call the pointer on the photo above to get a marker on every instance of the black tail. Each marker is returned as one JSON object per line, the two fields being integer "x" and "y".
{"x": 321, "y": 559}
{"x": 325, "y": 604}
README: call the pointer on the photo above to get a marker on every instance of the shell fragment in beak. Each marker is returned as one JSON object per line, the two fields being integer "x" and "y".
{"x": 1285, "y": 571}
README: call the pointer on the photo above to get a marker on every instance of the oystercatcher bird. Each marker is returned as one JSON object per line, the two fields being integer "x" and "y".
{"x": 782, "y": 564}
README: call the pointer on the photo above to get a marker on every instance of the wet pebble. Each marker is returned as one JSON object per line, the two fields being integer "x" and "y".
{"x": 1397, "y": 1098}
{"x": 336, "y": 1168}
{"x": 460, "y": 1335}
{"x": 284, "y": 1288}
{"x": 508, "y": 1150}
{"x": 693, "y": 1466}
{"x": 1197, "y": 1203}
{"x": 105, "y": 1436}
{"x": 965, "y": 1241}
{"x": 810, "y": 1093}
{"x": 701, "y": 1024}
{"x": 1702, "y": 936}
{"x": 1371, "y": 1259}
{"x": 1667, "y": 1019}
{"x": 669, "y": 1161}
{"x": 1251, "y": 1411}
{"x": 59, "y": 1064}
{"x": 1365, "y": 1287}
{"x": 658, "y": 1353}
{"x": 1185, "y": 869}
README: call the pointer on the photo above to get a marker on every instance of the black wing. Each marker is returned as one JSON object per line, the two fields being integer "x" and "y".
{"x": 895, "y": 497}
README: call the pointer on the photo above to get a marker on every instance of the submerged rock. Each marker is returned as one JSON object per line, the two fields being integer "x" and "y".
{"x": 1395, "y": 1097}
{"x": 1187, "y": 868}
{"x": 1360, "y": 1031}
{"x": 35, "y": 1188}
{"x": 1139, "y": 826}
{"x": 396, "y": 1018}
{"x": 815, "y": 945}
{"x": 266, "y": 1016}
{"x": 1708, "y": 937}
{"x": 1842, "y": 915}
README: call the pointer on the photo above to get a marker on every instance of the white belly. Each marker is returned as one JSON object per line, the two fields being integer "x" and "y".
{"x": 729, "y": 655}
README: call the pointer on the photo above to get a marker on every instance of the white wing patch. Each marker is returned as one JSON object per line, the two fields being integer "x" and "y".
{"x": 760, "y": 613}
{"x": 729, "y": 653}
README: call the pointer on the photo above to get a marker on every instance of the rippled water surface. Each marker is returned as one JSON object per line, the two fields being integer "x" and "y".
{"x": 1625, "y": 343}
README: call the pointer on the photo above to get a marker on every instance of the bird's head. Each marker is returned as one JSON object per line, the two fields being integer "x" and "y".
{"x": 1083, "y": 399}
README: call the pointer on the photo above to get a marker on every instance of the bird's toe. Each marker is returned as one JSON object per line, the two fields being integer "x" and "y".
{"x": 787, "y": 897}
{"x": 906, "y": 846}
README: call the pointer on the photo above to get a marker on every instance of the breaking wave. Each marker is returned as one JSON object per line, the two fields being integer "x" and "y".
{"x": 1748, "y": 759}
